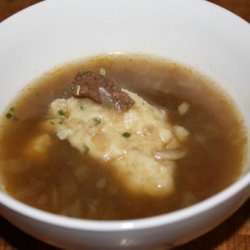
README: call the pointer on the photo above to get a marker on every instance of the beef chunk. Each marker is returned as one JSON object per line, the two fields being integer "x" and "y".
{"x": 101, "y": 90}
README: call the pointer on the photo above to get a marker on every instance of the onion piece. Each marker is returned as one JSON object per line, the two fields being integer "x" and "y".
{"x": 170, "y": 155}
{"x": 181, "y": 133}
{"x": 106, "y": 98}
{"x": 173, "y": 144}
{"x": 183, "y": 108}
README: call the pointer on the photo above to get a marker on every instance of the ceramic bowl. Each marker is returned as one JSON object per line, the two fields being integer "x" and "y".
{"x": 195, "y": 33}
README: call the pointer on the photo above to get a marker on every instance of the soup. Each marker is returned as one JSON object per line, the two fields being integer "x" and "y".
{"x": 53, "y": 159}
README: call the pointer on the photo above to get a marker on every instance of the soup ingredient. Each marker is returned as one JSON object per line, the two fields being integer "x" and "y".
{"x": 39, "y": 146}
{"x": 183, "y": 108}
{"x": 46, "y": 172}
{"x": 11, "y": 114}
{"x": 133, "y": 155}
{"x": 102, "y": 72}
{"x": 101, "y": 90}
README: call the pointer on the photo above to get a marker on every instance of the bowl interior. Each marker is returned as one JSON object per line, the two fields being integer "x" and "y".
{"x": 194, "y": 33}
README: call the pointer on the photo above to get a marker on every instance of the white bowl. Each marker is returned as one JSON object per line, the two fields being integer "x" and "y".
{"x": 193, "y": 32}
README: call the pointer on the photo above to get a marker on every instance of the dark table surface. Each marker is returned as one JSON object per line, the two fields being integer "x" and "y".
{"x": 233, "y": 234}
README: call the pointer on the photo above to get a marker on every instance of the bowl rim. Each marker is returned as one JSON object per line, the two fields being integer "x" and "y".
{"x": 45, "y": 2}
{"x": 133, "y": 224}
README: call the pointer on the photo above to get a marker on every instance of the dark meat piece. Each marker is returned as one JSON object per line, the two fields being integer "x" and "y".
{"x": 101, "y": 90}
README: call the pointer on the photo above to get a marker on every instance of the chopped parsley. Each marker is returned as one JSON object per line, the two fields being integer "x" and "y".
{"x": 109, "y": 105}
{"x": 52, "y": 123}
{"x": 60, "y": 122}
{"x": 86, "y": 150}
{"x": 81, "y": 72}
{"x": 102, "y": 72}
{"x": 126, "y": 134}
{"x": 97, "y": 120}
{"x": 81, "y": 107}
{"x": 10, "y": 115}
{"x": 61, "y": 112}
{"x": 72, "y": 87}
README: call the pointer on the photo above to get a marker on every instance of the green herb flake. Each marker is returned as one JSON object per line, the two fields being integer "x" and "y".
{"x": 86, "y": 150}
{"x": 102, "y": 72}
{"x": 52, "y": 123}
{"x": 97, "y": 120}
{"x": 61, "y": 112}
{"x": 81, "y": 107}
{"x": 9, "y": 115}
{"x": 60, "y": 122}
{"x": 126, "y": 134}
{"x": 72, "y": 87}
{"x": 80, "y": 71}
{"x": 109, "y": 105}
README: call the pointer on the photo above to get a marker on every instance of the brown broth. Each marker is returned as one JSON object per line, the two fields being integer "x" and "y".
{"x": 64, "y": 182}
